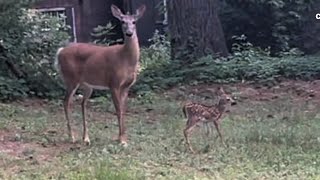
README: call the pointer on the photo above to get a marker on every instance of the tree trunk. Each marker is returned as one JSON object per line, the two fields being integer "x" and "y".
{"x": 195, "y": 29}
{"x": 309, "y": 40}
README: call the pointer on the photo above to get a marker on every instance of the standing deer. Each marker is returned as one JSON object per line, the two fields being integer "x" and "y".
{"x": 196, "y": 113}
{"x": 89, "y": 67}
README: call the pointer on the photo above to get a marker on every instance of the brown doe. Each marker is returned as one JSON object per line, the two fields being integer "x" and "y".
{"x": 89, "y": 67}
{"x": 196, "y": 113}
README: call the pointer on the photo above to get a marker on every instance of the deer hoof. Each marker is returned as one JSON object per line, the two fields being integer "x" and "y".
{"x": 86, "y": 141}
{"x": 124, "y": 144}
{"x": 72, "y": 139}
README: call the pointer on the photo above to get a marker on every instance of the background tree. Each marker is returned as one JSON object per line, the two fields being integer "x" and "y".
{"x": 278, "y": 24}
{"x": 195, "y": 29}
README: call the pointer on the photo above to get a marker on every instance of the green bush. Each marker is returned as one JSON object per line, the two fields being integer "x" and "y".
{"x": 157, "y": 54}
{"x": 103, "y": 34}
{"x": 41, "y": 41}
{"x": 278, "y": 24}
{"x": 11, "y": 89}
{"x": 247, "y": 63}
{"x": 29, "y": 41}
{"x": 154, "y": 61}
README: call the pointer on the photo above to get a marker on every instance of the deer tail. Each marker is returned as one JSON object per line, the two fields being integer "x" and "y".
{"x": 56, "y": 62}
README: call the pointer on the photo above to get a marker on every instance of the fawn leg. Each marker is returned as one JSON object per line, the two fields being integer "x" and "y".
{"x": 187, "y": 131}
{"x": 208, "y": 128}
{"x": 217, "y": 125}
{"x": 87, "y": 91}
{"x": 67, "y": 100}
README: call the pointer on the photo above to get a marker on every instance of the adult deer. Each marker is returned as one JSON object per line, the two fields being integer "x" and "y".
{"x": 89, "y": 67}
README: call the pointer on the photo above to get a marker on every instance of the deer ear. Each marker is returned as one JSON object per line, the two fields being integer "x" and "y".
{"x": 140, "y": 11}
{"x": 116, "y": 12}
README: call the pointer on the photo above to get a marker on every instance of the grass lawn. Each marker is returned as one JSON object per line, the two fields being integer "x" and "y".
{"x": 273, "y": 134}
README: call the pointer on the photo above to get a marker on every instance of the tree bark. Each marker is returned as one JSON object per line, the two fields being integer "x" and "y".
{"x": 195, "y": 29}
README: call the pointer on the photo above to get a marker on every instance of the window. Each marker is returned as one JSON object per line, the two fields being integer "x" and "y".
{"x": 162, "y": 17}
{"x": 69, "y": 19}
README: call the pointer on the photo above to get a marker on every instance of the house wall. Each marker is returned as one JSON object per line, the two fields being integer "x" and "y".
{"x": 88, "y": 14}
{"x": 65, "y": 4}
{"x": 91, "y": 13}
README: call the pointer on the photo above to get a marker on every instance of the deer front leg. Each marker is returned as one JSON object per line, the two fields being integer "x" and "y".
{"x": 116, "y": 97}
{"x": 217, "y": 125}
{"x": 124, "y": 99}
{"x": 87, "y": 91}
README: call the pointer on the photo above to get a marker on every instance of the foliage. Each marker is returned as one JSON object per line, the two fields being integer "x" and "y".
{"x": 247, "y": 63}
{"x": 267, "y": 23}
{"x": 10, "y": 89}
{"x": 102, "y": 34}
{"x": 157, "y": 54}
{"x": 29, "y": 41}
{"x": 154, "y": 59}
{"x": 45, "y": 36}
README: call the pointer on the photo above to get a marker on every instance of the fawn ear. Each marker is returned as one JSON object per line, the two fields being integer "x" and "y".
{"x": 140, "y": 11}
{"x": 116, "y": 12}
{"x": 221, "y": 90}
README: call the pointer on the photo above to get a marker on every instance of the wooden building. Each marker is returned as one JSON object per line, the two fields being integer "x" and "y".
{"x": 84, "y": 15}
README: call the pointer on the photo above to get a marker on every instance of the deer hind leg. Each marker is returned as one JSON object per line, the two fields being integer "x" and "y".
{"x": 67, "y": 100}
{"x": 116, "y": 97}
{"x": 87, "y": 91}
{"x": 191, "y": 123}
{"x": 207, "y": 128}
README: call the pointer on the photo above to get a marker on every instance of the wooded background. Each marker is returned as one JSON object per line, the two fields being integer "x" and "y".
{"x": 204, "y": 41}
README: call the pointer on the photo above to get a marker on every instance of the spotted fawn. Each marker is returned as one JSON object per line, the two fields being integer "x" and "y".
{"x": 198, "y": 113}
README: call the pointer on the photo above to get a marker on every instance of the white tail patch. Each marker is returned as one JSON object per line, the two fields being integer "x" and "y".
{"x": 56, "y": 62}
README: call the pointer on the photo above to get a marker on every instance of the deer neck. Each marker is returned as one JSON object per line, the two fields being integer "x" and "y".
{"x": 221, "y": 105}
{"x": 131, "y": 49}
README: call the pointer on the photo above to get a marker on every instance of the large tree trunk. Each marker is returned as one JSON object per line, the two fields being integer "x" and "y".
{"x": 195, "y": 29}
{"x": 309, "y": 40}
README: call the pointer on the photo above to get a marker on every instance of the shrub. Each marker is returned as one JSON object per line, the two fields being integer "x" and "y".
{"x": 103, "y": 34}
{"x": 29, "y": 41}
{"x": 247, "y": 63}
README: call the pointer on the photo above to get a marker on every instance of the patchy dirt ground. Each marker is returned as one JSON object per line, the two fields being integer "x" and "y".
{"x": 300, "y": 90}
{"x": 12, "y": 147}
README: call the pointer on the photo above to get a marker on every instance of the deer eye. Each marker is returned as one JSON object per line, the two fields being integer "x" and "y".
{"x": 133, "y": 22}
{"x": 122, "y": 22}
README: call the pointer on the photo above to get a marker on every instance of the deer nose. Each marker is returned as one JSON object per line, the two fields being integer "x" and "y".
{"x": 129, "y": 34}
{"x": 233, "y": 103}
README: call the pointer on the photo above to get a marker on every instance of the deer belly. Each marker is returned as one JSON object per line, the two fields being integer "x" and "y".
{"x": 99, "y": 87}
{"x": 204, "y": 119}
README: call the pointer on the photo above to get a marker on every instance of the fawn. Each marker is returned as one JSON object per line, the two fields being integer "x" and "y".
{"x": 196, "y": 113}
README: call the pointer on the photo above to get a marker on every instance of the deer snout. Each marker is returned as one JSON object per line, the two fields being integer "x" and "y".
{"x": 129, "y": 34}
{"x": 129, "y": 31}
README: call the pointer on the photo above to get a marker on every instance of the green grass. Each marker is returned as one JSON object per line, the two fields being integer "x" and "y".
{"x": 277, "y": 139}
